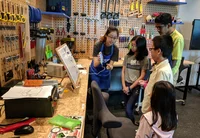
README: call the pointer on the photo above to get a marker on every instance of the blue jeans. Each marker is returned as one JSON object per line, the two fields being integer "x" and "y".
{"x": 130, "y": 101}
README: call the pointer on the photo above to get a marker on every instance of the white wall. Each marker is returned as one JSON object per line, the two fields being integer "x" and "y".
{"x": 188, "y": 13}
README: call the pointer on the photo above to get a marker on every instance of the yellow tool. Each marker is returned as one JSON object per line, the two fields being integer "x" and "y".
{"x": 132, "y": 6}
{"x": 141, "y": 7}
{"x": 137, "y": 5}
{"x": 140, "y": 13}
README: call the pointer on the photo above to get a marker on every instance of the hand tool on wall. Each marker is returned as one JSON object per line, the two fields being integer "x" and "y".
{"x": 13, "y": 12}
{"x": 95, "y": 7}
{"x": 8, "y": 12}
{"x": 103, "y": 13}
{"x": 116, "y": 14}
{"x": 109, "y": 14}
{"x": 18, "y": 17}
{"x": 58, "y": 31}
{"x": 132, "y": 8}
{"x": 88, "y": 28}
{"x": 114, "y": 3}
{"x": 137, "y": 3}
{"x": 89, "y": 7}
{"x": 23, "y": 19}
{"x": 140, "y": 13}
{"x": 95, "y": 27}
{"x": 88, "y": 46}
{"x": 76, "y": 51}
{"x": 3, "y": 13}
{"x": 122, "y": 8}
{"x": 83, "y": 8}
{"x": 83, "y": 26}
{"x": 3, "y": 38}
{"x": 75, "y": 26}
{"x": 0, "y": 12}
{"x": 75, "y": 8}
{"x": 7, "y": 61}
{"x": 63, "y": 33}
{"x": 82, "y": 45}
{"x": 68, "y": 27}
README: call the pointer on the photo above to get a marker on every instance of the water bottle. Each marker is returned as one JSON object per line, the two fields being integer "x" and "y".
{"x": 55, "y": 60}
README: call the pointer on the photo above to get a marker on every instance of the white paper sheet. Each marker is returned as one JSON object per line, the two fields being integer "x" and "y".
{"x": 17, "y": 92}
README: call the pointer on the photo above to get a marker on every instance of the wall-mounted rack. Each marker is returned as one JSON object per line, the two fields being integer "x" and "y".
{"x": 172, "y": 23}
{"x": 175, "y": 3}
{"x": 55, "y": 14}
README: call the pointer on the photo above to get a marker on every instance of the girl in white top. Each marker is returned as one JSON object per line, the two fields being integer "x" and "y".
{"x": 162, "y": 120}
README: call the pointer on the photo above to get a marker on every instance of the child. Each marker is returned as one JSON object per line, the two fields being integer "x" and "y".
{"x": 160, "y": 50}
{"x": 161, "y": 121}
{"x": 134, "y": 69}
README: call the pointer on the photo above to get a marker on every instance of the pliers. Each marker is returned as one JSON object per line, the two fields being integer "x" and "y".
{"x": 58, "y": 31}
{"x": 63, "y": 31}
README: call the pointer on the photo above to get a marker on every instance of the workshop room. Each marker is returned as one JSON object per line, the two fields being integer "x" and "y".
{"x": 99, "y": 68}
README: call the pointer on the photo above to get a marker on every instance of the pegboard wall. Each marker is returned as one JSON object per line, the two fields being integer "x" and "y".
{"x": 13, "y": 39}
{"x": 94, "y": 27}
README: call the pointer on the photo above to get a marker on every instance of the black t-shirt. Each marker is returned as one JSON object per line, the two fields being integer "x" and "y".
{"x": 106, "y": 51}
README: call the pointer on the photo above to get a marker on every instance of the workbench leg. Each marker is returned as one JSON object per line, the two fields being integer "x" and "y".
{"x": 186, "y": 84}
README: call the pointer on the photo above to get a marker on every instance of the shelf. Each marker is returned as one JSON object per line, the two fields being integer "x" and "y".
{"x": 172, "y": 23}
{"x": 166, "y": 2}
{"x": 55, "y": 14}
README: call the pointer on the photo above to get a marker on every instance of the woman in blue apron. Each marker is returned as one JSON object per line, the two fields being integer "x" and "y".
{"x": 104, "y": 54}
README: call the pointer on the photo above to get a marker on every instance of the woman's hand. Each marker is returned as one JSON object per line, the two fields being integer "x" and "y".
{"x": 143, "y": 83}
{"x": 98, "y": 56}
{"x": 109, "y": 67}
{"x": 126, "y": 90}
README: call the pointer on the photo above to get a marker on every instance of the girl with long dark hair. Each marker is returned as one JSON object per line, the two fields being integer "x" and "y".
{"x": 161, "y": 121}
{"x": 134, "y": 69}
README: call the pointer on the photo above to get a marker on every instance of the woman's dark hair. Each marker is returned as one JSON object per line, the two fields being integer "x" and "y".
{"x": 163, "y": 101}
{"x": 141, "y": 47}
{"x": 164, "y": 43}
{"x": 109, "y": 30}
{"x": 164, "y": 18}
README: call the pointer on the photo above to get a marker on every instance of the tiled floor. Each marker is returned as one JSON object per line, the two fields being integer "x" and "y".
{"x": 189, "y": 117}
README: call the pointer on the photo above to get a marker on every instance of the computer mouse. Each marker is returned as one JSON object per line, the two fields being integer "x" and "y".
{"x": 26, "y": 129}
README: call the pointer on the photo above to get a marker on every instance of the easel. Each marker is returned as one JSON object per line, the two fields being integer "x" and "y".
{"x": 73, "y": 88}
{"x": 69, "y": 63}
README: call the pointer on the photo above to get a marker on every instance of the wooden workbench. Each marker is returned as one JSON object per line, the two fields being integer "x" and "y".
{"x": 71, "y": 104}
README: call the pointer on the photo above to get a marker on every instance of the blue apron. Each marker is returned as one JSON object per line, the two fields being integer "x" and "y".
{"x": 100, "y": 74}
